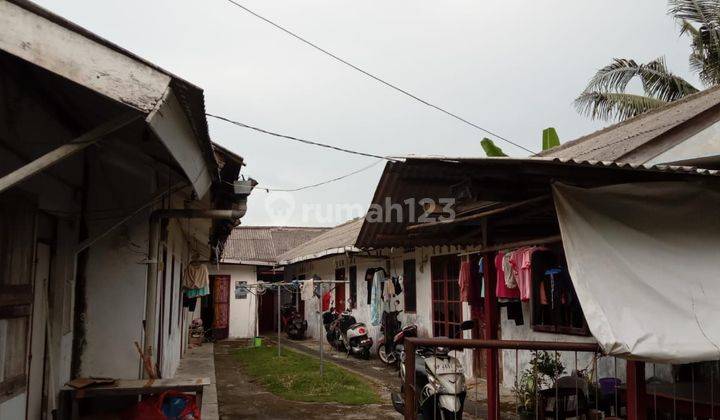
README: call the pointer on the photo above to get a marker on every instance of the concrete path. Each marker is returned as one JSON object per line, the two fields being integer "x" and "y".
{"x": 199, "y": 362}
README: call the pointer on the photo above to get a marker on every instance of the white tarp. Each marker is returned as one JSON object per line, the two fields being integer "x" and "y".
{"x": 645, "y": 263}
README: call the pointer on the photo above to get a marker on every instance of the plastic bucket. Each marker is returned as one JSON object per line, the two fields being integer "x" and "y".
{"x": 257, "y": 341}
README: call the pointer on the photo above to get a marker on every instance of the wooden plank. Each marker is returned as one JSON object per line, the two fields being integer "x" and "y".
{"x": 66, "y": 150}
{"x": 77, "y": 55}
{"x": 15, "y": 311}
{"x": 141, "y": 387}
{"x": 11, "y": 387}
{"x": 479, "y": 216}
{"x": 16, "y": 294}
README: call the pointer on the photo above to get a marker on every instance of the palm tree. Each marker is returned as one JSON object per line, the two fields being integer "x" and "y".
{"x": 606, "y": 96}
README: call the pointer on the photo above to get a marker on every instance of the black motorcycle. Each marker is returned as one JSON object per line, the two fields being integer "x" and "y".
{"x": 392, "y": 337}
{"x": 295, "y": 325}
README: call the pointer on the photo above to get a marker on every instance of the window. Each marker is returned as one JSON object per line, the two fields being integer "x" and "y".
{"x": 446, "y": 306}
{"x": 409, "y": 285}
{"x": 353, "y": 286}
{"x": 554, "y": 304}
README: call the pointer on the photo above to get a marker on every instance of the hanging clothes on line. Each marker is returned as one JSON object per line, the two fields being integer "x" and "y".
{"x": 308, "y": 288}
{"x": 376, "y": 303}
{"x": 196, "y": 280}
{"x": 369, "y": 274}
{"x": 501, "y": 289}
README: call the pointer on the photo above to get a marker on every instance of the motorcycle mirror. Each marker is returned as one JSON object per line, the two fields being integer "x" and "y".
{"x": 467, "y": 325}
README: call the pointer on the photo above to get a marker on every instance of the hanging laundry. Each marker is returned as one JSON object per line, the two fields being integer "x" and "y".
{"x": 376, "y": 304}
{"x": 389, "y": 291}
{"x": 481, "y": 276}
{"x": 397, "y": 282}
{"x": 501, "y": 289}
{"x": 308, "y": 289}
{"x": 326, "y": 299}
{"x": 369, "y": 274}
{"x": 515, "y": 312}
{"x": 510, "y": 280}
{"x": 524, "y": 268}
{"x": 196, "y": 276}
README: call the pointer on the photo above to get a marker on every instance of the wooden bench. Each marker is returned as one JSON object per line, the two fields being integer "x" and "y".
{"x": 126, "y": 387}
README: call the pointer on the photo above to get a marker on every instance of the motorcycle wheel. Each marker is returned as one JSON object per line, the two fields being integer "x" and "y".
{"x": 383, "y": 355}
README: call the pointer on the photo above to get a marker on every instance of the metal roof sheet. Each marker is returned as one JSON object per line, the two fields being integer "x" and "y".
{"x": 337, "y": 240}
{"x": 261, "y": 245}
{"x": 629, "y": 141}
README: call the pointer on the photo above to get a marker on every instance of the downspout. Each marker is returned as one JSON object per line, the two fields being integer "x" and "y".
{"x": 156, "y": 217}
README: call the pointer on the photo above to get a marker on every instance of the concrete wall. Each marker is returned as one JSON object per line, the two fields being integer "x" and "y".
{"x": 243, "y": 312}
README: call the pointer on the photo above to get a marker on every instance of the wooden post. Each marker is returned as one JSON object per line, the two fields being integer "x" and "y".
{"x": 636, "y": 391}
{"x": 491, "y": 329}
{"x": 410, "y": 409}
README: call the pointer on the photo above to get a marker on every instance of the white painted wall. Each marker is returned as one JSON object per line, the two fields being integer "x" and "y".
{"x": 243, "y": 312}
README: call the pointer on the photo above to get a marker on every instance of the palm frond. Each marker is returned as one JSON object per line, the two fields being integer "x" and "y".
{"x": 659, "y": 83}
{"x": 615, "y": 76}
{"x": 705, "y": 56}
{"x": 614, "y": 105}
{"x": 702, "y": 12}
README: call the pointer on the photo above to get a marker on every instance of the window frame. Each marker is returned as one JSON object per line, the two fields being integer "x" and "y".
{"x": 445, "y": 278}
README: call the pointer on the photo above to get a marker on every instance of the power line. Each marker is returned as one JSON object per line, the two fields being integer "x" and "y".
{"x": 357, "y": 171}
{"x": 378, "y": 79}
{"x": 314, "y": 143}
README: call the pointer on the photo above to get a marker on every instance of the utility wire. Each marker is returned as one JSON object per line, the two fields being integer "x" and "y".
{"x": 314, "y": 143}
{"x": 378, "y": 79}
{"x": 357, "y": 171}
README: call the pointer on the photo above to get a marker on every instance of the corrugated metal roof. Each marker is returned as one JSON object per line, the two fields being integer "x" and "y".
{"x": 502, "y": 180}
{"x": 630, "y": 140}
{"x": 261, "y": 245}
{"x": 337, "y": 240}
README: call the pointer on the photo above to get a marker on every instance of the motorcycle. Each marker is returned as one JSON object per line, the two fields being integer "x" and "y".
{"x": 392, "y": 336}
{"x": 440, "y": 379}
{"x": 346, "y": 334}
{"x": 295, "y": 325}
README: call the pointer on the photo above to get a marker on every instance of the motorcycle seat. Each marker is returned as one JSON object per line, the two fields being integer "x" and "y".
{"x": 356, "y": 325}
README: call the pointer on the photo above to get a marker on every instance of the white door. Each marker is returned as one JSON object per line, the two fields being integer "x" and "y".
{"x": 39, "y": 325}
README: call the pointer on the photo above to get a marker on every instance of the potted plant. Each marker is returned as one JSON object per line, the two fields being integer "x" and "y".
{"x": 544, "y": 368}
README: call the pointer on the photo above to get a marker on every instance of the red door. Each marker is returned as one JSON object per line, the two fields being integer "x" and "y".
{"x": 221, "y": 306}
{"x": 340, "y": 290}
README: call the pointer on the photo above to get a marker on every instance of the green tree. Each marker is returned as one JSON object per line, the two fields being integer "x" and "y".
{"x": 550, "y": 139}
{"x": 606, "y": 96}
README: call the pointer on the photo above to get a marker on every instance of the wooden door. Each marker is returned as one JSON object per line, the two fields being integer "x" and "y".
{"x": 340, "y": 290}
{"x": 267, "y": 312}
{"x": 221, "y": 306}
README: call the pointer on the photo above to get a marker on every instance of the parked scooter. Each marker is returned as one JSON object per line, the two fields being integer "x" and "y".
{"x": 295, "y": 325}
{"x": 441, "y": 382}
{"x": 392, "y": 337}
{"x": 346, "y": 334}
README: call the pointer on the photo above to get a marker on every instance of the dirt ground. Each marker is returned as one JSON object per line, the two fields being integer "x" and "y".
{"x": 240, "y": 398}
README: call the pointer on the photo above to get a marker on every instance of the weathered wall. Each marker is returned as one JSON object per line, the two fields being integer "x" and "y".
{"x": 243, "y": 312}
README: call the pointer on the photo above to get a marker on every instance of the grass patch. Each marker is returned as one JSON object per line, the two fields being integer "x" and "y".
{"x": 295, "y": 376}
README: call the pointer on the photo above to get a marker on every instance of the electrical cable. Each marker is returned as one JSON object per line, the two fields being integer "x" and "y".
{"x": 378, "y": 79}
{"x": 357, "y": 171}
{"x": 310, "y": 142}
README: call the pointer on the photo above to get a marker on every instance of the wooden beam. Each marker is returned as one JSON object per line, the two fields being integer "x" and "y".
{"x": 480, "y": 216}
{"x": 518, "y": 244}
{"x": 66, "y": 150}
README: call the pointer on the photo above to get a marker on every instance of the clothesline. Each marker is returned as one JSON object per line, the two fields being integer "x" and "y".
{"x": 512, "y": 245}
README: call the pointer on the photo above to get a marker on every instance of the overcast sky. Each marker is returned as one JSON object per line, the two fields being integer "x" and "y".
{"x": 513, "y": 67}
